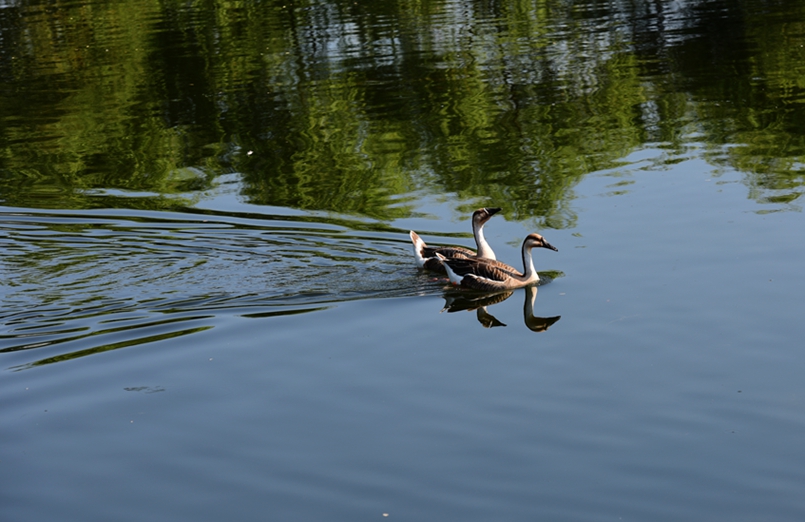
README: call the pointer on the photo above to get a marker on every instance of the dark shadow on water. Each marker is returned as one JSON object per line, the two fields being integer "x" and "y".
{"x": 461, "y": 301}
{"x": 108, "y": 347}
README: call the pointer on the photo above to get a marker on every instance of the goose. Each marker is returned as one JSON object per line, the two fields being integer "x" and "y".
{"x": 426, "y": 256}
{"x": 479, "y": 274}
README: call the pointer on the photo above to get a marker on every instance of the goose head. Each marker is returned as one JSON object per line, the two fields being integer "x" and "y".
{"x": 482, "y": 215}
{"x": 535, "y": 241}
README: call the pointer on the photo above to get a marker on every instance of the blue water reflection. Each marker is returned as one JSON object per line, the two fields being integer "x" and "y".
{"x": 668, "y": 389}
{"x": 209, "y": 307}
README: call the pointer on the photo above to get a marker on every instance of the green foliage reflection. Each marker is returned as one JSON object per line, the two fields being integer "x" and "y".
{"x": 360, "y": 107}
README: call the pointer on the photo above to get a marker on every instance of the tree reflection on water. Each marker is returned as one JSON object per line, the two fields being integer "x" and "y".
{"x": 363, "y": 108}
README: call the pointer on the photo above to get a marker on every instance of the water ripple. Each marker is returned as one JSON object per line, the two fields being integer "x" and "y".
{"x": 77, "y": 283}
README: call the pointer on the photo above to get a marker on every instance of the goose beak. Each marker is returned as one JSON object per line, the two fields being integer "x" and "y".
{"x": 482, "y": 215}
{"x": 550, "y": 246}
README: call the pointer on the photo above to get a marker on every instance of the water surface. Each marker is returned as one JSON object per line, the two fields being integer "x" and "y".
{"x": 210, "y": 309}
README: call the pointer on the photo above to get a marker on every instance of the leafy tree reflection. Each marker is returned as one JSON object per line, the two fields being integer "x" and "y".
{"x": 364, "y": 108}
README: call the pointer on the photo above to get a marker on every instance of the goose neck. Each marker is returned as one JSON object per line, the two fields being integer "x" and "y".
{"x": 529, "y": 273}
{"x": 484, "y": 250}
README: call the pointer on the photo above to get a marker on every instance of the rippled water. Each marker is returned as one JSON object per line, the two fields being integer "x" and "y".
{"x": 209, "y": 308}
{"x": 659, "y": 382}
{"x": 83, "y": 282}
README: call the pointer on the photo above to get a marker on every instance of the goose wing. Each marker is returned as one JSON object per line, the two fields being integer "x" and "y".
{"x": 448, "y": 252}
{"x": 479, "y": 274}
{"x": 482, "y": 269}
{"x": 463, "y": 253}
{"x": 431, "y": 260}
{"x": 433, "y": 263}
{"x": 428, "y": 257}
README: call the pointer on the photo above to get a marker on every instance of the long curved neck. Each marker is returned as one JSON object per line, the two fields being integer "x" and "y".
{"x": 529, "y": 273}
{"x": 484, "y": 250}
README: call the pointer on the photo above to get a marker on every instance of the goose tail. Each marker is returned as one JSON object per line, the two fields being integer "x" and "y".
{"x": 454, "y": 278}
{"x": 419, "y": 249}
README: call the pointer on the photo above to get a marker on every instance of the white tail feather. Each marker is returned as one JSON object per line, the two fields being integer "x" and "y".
{"x": 419, "y": 245}
{"x": 454, "y": 278}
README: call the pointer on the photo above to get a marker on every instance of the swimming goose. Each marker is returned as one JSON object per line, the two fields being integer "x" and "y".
{"x": 479, "y": 274}
{"x": 426, "y": 256}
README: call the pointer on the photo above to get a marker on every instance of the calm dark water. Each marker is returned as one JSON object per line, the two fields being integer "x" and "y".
{"x": 210, "y": 310}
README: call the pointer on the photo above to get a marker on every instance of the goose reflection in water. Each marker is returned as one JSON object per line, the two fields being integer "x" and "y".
{"x": 456, "y": 301}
